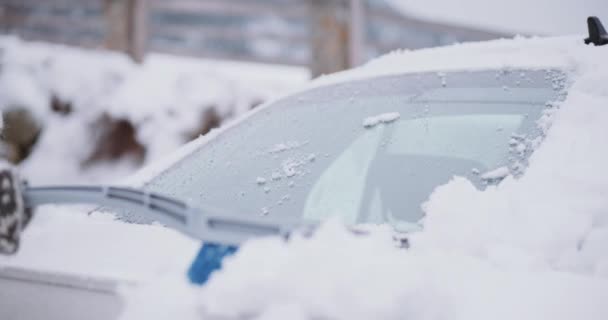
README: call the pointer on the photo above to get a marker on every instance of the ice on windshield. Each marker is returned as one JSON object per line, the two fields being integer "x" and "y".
{"x": 369, "y": 151}
{"x": 388, "y": 117}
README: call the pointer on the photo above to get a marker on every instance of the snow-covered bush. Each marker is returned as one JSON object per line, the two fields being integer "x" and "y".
{"x": 96, "y": 116}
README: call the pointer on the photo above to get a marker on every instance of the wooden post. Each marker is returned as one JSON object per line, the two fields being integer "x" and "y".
{"x": 138, "y": 29}
{"x": 4, "y": 13}
{"x": 126, "y": 27}
{"x": 337, "y": 35}
{"x": 329, "y": 36}
{"x": 357, "y": 33}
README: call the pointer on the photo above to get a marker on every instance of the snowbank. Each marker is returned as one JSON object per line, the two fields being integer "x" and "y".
{"x": 167, "y": 101}
{"x": 67, "y": 241}
{"x": 530, "y": 248}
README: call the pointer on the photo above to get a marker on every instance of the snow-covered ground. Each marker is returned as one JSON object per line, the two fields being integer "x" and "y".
{"x": 166, "y": 100}
{"x": 531, "y": 248}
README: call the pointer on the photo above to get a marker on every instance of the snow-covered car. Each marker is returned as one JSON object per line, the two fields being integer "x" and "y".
{"x": 370, "y": 146}
{"x": 369, "y": 151}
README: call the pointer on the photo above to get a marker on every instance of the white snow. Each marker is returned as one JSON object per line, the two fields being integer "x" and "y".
{"x": 526, "y": 53}
{"x": 265, "y": 211}
{"x": 289, "y": 167}
{"x": 165, "y": 99}
{"x": 66, "y": 240}
{"x": 281, "y": 147}
{"x": 388, "y": 117}
{"x": 338, "y": 276}
{"x": 276, "y": 175}
{"x": 497, "y": 173}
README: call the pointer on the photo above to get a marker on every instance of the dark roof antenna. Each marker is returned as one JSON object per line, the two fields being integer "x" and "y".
{"x": 597, "y": 33}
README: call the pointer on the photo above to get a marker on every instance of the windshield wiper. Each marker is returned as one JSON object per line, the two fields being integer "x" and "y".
{"x": 206, "y": 225}
{"x": 220, "y": 232}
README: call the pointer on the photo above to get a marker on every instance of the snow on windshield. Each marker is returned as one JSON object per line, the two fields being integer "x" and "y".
{"x": 535, "y": 247}
{"x": 373, "y": 121}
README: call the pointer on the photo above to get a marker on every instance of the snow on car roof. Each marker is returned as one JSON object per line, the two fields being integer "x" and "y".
{"x": 566, "y": 53}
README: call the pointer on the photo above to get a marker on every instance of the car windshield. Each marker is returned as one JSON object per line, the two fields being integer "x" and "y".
{"x": 368, "y": 151}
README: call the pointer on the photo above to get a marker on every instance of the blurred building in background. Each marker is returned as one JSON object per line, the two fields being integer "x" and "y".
{"x": 327, "y": 35}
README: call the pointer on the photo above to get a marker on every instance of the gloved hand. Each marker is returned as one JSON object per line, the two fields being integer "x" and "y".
{"x": 14, "y": 216}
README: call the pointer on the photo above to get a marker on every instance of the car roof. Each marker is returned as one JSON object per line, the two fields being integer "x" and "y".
{"x": 564, "y": 53}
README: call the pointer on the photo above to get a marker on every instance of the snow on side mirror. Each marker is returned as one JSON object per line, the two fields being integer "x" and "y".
{"x": 14, "y": 216}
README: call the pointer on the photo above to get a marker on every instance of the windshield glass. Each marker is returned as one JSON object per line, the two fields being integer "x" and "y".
{"x": 368, "y": 151}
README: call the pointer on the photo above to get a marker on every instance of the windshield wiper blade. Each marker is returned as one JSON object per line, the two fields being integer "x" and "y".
{"x": 220, "y": 232}
{"x": 204, "y": 224}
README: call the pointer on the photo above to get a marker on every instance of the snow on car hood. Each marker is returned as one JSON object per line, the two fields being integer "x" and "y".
{"x": 531, "y": 248}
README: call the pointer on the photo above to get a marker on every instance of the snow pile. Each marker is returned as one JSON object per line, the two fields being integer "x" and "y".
{"x": 167, "y": 101}
{"x": 498, "y": 173}
{"x": 335, "y": 275}
{"x": 530, "y": 248}
{"x": 389, "y": 117}
{"x": 66, "y": 241}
